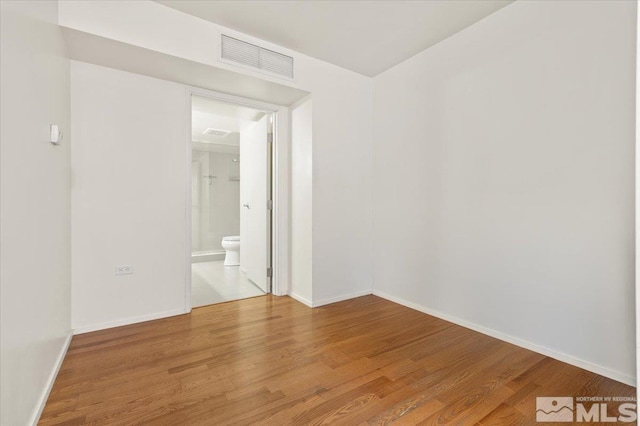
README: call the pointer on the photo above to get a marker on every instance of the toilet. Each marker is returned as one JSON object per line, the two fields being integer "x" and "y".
{"x": 232, "y": 246}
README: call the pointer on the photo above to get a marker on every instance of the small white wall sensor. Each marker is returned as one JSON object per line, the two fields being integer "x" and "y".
{"x": 56, "y": 135}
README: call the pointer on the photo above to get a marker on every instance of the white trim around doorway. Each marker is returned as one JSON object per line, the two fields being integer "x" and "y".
{"x": 280, "y": 189}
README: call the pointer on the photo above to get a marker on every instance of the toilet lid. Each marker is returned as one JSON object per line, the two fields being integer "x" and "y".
{"x": 235, "y": 238}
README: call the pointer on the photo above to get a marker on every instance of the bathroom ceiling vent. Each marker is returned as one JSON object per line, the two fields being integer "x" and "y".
{"x": 247, "y": 54}
{"x": 216, "y": 132}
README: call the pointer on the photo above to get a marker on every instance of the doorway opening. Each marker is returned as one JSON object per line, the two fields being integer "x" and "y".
{"x": 231, "y": 201}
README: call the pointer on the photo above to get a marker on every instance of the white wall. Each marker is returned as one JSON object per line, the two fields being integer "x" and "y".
{"x": 34, "y": 207}
{"x": 342, "y": 186}
{"x": 217, "y": 209}
{"x": 637, "y": 218}
{"x": 128, "y": 197}
{"x": 637, "y": 287}
{"x": 504, "y": 180}
{"x": 341, "y": 138}
{"x": 302, "y": 201}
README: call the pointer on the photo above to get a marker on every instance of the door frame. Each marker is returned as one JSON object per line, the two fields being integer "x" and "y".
{"x": 279, "y": 167}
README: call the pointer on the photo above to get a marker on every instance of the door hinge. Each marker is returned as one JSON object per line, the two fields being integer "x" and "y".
{"x": 269, "y": 137}
{"x": 269, "y": 272}
{"x": 270, "y": 205}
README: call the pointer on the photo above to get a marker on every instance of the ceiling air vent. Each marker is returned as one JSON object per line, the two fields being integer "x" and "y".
{"x": 248, "y": 54}
{"x": 216, "y": 132}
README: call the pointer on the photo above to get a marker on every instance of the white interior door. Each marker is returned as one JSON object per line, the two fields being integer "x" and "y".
{"x": 254, "y": 214}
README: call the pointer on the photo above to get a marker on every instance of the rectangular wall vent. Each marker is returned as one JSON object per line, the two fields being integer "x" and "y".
{"x": 248, "y": 54}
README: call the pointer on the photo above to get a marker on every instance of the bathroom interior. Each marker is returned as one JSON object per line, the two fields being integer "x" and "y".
{"x": 219, "y": 262}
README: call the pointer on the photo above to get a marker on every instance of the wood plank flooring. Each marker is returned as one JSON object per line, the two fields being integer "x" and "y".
{"x": 273, "y": 361}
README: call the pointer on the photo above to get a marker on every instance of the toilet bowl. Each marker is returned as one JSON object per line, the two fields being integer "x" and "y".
{"x": 232, "y": 246}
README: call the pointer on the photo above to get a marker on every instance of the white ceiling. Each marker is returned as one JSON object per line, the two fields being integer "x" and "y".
{"x": 210, "y": 113}
{"x": 367, "y": 37}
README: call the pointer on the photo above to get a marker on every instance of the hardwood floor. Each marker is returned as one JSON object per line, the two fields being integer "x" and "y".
{"x": 271, "y": 360}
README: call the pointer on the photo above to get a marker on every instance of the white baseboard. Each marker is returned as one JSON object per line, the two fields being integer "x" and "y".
{"x": 569, "y": 359}
{"x": 128, "y": 321}
{"x": 35, "y": 417}
{"x": 330, "y": 300}
{"x": 279, "y": 292}
{"x": 300, "y": 299}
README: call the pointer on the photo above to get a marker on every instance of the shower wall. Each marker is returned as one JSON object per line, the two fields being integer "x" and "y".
{"x": 215, "y": 195}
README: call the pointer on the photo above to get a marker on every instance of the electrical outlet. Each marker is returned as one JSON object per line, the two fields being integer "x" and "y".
{"x": 124, "y": 269}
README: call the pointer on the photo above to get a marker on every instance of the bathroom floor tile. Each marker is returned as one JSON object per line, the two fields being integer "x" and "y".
{"x": 212, "y": 282}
